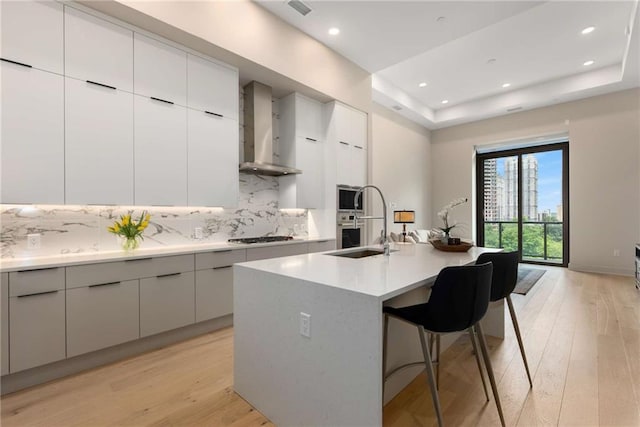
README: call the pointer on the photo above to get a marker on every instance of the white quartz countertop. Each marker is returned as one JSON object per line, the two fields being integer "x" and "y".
{"x": 63, "y": 260}
{"x": 410, "y": 266}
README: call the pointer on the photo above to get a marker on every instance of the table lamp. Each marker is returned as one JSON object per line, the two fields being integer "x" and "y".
{"x": 404, "y": 218}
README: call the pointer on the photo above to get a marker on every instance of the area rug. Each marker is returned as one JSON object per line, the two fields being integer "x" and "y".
{"x": 527, "y": 277}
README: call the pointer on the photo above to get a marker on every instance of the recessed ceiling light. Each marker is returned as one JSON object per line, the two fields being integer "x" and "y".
{"x": 441, "y": 19}
{"x": 491, "y": 60}
{"x": 587, "y": 63}
{"x": 506, "y": 85}
{"x": 445, "y": 101}
{"x": 588, "y": 30}
{"x": 334, "y": 31}
{"x": 423, "y": 84}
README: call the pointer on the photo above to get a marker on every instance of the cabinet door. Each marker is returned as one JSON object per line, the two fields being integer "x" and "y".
{"x": 344, "y": 173}
{"x": 308, "y": 118}
{"x": 358, "y": 166}
{"x": 213, "y": 160}
{"x": 102, "y": 315}
{"x": 97, "y": 50}
{"x": 358, "y": 129}
{"x": 160, "y": 70}
{"x": 4, "y": 322}
{"x": 342, "y": 123}
{"x": 32, "y": 33}
{"x": 214, "y": 293}
{"x": 98, "y": 144}
{"x": 160, "y": 153}
{"x": 321, "y": 246}
{"x": 36, "y": 330}
{"x": 212, "y": 87}
{"x": 32, "y": 163}
{"x": 310, "y": 183}
{"x": 166, "y": 302}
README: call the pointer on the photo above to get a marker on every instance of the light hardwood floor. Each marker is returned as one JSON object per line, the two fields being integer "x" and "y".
{"x": 581, "y": 333}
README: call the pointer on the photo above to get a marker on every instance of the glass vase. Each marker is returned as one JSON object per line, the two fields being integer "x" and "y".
{"x": 129, "y": 244}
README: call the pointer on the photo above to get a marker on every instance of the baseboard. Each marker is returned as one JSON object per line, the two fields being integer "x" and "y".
{"x": 601, "y": 269}
{"x": 41, "y": 374}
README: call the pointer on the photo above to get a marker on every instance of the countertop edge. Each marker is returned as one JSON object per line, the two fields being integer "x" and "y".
{"x": 8, "y": 265}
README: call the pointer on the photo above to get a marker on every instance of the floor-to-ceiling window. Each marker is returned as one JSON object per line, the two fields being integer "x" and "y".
{"x": 523, "y": 202}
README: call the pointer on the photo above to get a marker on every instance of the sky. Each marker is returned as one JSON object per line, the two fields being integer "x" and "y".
{"x": 549, "y": 179}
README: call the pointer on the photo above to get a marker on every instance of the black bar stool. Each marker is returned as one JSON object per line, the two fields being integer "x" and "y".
{"x": 505, "y": 277}
{"x": 459, "y": 300}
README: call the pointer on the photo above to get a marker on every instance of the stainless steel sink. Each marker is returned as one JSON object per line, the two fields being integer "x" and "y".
{"x": 360, "y": 253}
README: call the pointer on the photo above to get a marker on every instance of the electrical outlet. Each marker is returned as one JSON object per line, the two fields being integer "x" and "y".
{"x": 305, "y": 325}
{"x": 197, "y": 232}
{"x": 33, "y": 241}
{"x": 616, "y": 252}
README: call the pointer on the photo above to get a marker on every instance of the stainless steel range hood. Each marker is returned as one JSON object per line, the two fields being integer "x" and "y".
{"x": 258, "y": 134}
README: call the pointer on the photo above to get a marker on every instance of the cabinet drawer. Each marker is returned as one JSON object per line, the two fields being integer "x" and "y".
{"x": 100, "y": 316}
{"x": 36, "y": 330}
{"x": 214, "y": 293}
{"x": 108, "y": 272}
{"x": 219, "y": 259}
{"x": 324, "y": 245}
{"x": 36, "y": 281}
{"x": 166, "y": 303}
{"x": 255, "y": 254}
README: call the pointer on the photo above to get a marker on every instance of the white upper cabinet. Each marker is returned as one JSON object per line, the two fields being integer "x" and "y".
{"x": 358, "y": 128}
{"x": 98, "y": 144}
{"x": 308, "y": 118}
{"x": 341, "y": 121}
{"x": 350, "y": 138}
{"x": 213, "y": 160}
{"x": 97, "y": 50}
{"x": 32, "y": 34}
{"x": 160, "y": 70}
{"x": 32, "y": 150}
{"x": 212, "y": 87}
{"x": 160, "y": 153}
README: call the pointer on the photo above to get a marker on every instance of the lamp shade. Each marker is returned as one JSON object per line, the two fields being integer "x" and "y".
{"x": 404, "y": 217}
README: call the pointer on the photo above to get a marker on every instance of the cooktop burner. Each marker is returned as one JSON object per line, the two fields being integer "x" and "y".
{"x": 264, "y": 239}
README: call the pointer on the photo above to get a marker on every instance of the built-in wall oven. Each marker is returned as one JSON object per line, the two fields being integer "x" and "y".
{"x": 348, "y": 233}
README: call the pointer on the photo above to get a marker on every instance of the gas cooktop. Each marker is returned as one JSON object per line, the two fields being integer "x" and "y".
{"x": 264, "y": 239}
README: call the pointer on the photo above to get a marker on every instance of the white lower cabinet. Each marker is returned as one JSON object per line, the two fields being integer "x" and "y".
{"x": 36, "y": 329}
{"x": 4, "y": 322}
{"x": 102, "y": 315}
{"x": 166, "y": 302}
{"x": 214, "y": 293}
{"x": 321, "y": 246}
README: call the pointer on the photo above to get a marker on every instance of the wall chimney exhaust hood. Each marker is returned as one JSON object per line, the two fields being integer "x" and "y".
{"x": 258, "y": 134}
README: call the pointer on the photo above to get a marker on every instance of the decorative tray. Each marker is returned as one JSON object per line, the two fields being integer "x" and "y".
{"x": 439, "y": 245}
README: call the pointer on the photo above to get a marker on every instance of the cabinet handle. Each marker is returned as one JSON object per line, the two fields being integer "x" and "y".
{"x": 213, "y": 114}
{"x": 359, "y": 147}
{"x": 16, "y": 62}
{"x": 220, "y": 268}
{"x": 167, "y": 275}
{"x": 138, "y": 259}
{"x": 344, "y": 143}
{"x": 36, "y": 294}
{"x": 321, "y": 241}
{"x": 37, "y": 269}
{"x": 161, "y": 100}
{"x": 221, "y": 252}
{"x": 101, "y": 85}
{"x": 104, "y": 284}
{"x": 311, "y": 139}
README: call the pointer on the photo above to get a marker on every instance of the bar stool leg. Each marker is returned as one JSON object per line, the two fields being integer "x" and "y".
{"x": 438, "y": 361}
{"x": 430, "y": 375}
{"x": 384, "y": 353}
{"x": 487, "y": 363}
{"x": 514, "y": 320}
{"x": 472, "y": 335}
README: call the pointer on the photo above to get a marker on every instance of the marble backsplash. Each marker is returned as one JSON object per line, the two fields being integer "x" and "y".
{"x": 83, "y": 229}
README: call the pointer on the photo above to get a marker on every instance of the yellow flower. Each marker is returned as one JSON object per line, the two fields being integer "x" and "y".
{"x": 140, "y": 227}
{"x": 125, "y": 220}
{"x": 111, "y": 229}
{"x": 145, "y": 223}
{"x": 147, "y": 217}
{"x": 116, "y": 227}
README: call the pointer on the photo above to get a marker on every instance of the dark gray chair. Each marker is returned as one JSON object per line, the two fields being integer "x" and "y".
{"x": 459, "y": 300}
{"x": 505, "y": 277}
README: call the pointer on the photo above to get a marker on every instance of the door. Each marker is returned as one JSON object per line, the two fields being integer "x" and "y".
{"x": 524, "y": 202}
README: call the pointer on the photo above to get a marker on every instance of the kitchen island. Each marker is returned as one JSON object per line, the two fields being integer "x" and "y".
{"x": 333, "y": 376}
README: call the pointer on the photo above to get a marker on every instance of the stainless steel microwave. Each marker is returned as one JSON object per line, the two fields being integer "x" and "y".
{"x": 345, "y": 199}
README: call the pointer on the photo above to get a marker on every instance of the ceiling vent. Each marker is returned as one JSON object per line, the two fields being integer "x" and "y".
{"x": 300, "y": 7}
{"x": 511, "y": 110}
{"x": 397, "y": 107}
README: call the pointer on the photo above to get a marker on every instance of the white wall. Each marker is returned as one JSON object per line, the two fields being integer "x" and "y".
{"x": 400, "y": 152}
{"x": 604, "y": 163}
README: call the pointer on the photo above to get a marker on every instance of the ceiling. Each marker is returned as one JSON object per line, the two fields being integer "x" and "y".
{"x": 465, "y": 51}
